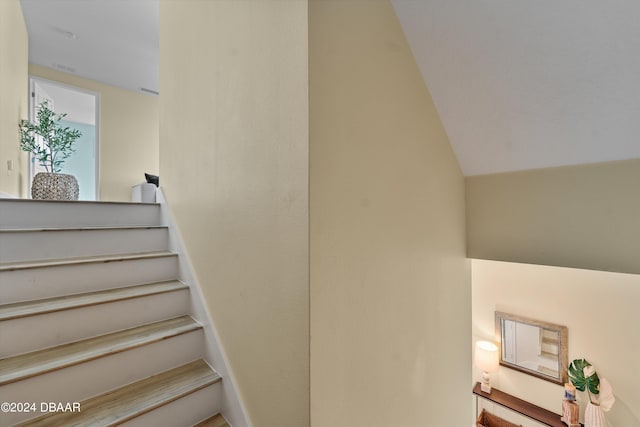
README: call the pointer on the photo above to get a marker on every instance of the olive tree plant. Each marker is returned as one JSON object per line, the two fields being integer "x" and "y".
{"x": 56, "y": 142}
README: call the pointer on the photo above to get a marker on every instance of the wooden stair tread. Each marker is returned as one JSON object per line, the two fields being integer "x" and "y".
{"x": 48, "y": 305}
{"x": 16, "y": 368}
{"x": 21, "y": 265}
{"x": 216, "y": 421}
{"x": 130, "y": 401}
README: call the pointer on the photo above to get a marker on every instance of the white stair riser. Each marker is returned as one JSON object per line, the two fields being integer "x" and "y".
{"x": 97, "y": 376}
{"x": 34, "y": 332}
{"x": 44, "y": 282}
{"x": 186, "y": 411}
{"x": 30, "y": 213}
{"x": 39, "y": 245}
{"x": 75, "y": 383}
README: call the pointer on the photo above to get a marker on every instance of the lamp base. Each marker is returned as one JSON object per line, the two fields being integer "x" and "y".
{"x": 485, "y": 385}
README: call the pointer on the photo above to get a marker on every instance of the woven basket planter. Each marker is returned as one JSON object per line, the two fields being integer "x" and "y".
{"x": 487, "y": 419}
{"x": 54, "y": 186}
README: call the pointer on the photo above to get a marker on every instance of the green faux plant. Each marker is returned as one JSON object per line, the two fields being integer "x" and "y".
{"x": 57, "y": 141}
{"x": 584, "y": 377}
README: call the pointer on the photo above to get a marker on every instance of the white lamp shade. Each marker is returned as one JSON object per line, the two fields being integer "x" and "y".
{"x": 486, "y": 357}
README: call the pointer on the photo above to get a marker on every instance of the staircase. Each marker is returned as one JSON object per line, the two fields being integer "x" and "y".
{"x": 96, "y": 329}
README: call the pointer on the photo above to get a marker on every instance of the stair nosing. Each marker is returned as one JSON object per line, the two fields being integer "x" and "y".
{"x": 84, "y": 202}
{"x": 111, "y": 295}
{"x": 110, "y": 343}
{"x": 87, "y": 228}
{"x": 150, "y": 402}
{"x": 205, "y": 422}
{"x": 58, "y": 262}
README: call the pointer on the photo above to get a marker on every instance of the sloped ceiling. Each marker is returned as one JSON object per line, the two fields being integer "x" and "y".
{"x": 524, "y": 84}
{"x": 519, "y": 84}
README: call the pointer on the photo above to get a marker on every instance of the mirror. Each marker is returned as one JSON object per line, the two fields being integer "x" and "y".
{"x": 532, "y": 346}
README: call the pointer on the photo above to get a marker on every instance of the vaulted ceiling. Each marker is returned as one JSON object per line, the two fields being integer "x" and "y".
{"x": 524, "y": 84}
{"x": 519, "y": 84}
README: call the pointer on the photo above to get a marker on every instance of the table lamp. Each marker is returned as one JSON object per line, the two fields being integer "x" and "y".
{"x": 486, "y": 359}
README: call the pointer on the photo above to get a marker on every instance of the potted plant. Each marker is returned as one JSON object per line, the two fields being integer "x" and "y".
{"x": 585, "y": 378}
{"x": 54, "y": 146}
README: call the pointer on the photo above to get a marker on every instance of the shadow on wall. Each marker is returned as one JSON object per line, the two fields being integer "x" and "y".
{"x": 621, "y": 415}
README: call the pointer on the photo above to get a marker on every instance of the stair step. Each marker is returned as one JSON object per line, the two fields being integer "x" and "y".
{"x": 215, "y": 421}
{"x": 133, "y": 400}
{"x": 22, "y": 265}
{"x": 49, "y": 305}
{"x": 33, "y": 280}
{"x": 50, "y": 329}
{"x": 37, "y": 244}
{"x": 84, "y": 228}
{"x": 28, "y": 365}
{"x": 16, "y": 213}
{"x": 93, "y": 377}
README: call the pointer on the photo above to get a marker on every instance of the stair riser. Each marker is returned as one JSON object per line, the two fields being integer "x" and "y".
{"x": 31, "y": 213}
{"x": 45, "y": 282}
{"x": 40, "y": 245}
{"x": 31, "y": 232}
{"x": 186, "y": 411}
{"x": 34, "y": 332}
{"x": 97, "y": 376}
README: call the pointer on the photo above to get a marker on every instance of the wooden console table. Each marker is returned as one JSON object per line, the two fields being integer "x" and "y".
{"x": 520, "y": 406}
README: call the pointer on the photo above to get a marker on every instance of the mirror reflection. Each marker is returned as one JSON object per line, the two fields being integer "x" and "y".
{"x": 533, "y": 346}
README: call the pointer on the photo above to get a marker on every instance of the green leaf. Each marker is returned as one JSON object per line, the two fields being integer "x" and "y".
{"x": 593, "y": 382}
{"x": 578, "y": 379}
{"x": 46, "y": 139}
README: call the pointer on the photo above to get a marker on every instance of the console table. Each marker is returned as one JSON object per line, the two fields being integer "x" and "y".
{"x": 520, "y": 406}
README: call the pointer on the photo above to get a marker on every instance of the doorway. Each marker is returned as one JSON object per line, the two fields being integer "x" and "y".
{"x": 81, "y": 107}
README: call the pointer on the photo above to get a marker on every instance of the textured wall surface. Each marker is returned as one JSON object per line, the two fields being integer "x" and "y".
{"x": 14, "y": 105}
{"x": 234, "y": 167}
{"x": 390, "y": 285}
{"x": 578, "y": 216}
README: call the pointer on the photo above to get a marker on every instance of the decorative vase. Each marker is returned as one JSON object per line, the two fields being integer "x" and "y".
{"x": 594, "y": 416}
{"x": 54, "y": 186}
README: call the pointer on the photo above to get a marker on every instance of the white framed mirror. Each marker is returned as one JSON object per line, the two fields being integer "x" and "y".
{"x": 533, "y": 346}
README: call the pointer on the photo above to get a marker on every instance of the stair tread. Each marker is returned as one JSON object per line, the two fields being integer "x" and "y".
{"x": 80, "y": 202}
{"x": 19, "y": 265}
{"x": 548, "y": 355}
{"x": 16, "y": 368}
{"x": 85, "y": 228}
{"x": 135, "y": 399}
{"x": 216, "y": 421}
{"x": 48, "y": 305}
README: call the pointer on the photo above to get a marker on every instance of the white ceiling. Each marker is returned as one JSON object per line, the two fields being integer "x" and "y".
{"x": 519, "y": 84}
{"x": 116, "y": 41}
{"x": 523, "y": 84}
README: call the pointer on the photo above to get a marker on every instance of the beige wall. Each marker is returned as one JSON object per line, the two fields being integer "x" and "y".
{"x": 600, "y": 310}
{"x": 234, "y": 167}
{"x": 390, "y": 286}
{"x": 581, "y": 216}
{"x": 128, "y": 133}
{"x": 14, "y": 89}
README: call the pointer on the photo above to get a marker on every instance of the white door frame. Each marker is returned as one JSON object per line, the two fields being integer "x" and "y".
{"x": 32, "y": 116}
